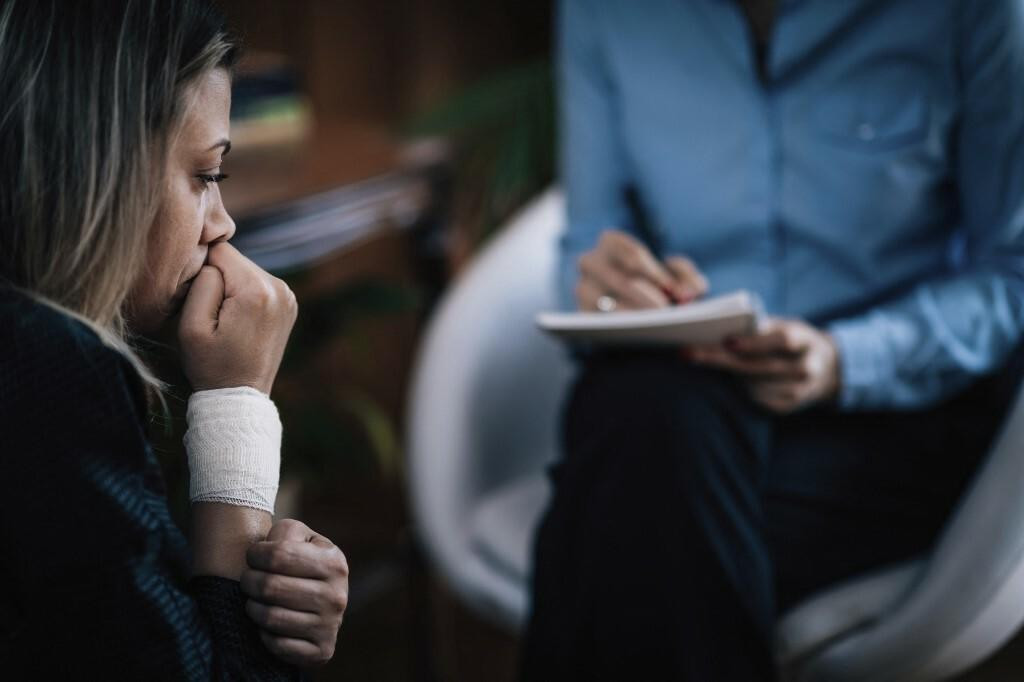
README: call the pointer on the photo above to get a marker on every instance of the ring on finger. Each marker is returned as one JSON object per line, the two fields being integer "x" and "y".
{"x": 606, "y": 303}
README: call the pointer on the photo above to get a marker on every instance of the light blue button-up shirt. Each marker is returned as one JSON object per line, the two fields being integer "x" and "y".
{"x": 872, "y": 184}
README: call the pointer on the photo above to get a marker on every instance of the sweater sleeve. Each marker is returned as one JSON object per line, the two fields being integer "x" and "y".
{"x": 96, "y": 573}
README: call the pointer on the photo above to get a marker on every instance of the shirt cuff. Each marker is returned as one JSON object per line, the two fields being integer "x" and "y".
{"x": 863, "y": 365}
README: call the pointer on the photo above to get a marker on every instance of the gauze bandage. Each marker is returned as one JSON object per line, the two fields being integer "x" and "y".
{"x": 234, "y": 447}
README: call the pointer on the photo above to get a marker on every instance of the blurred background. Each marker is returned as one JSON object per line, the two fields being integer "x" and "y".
{"x": 376, "y": 147}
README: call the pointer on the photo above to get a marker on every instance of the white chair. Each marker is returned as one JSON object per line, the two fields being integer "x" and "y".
{"x": 484, "y": 409}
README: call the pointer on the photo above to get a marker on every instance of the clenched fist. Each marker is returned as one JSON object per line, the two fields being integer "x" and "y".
{"x": 297, "y": 584}
{"x": 235, "y": 323}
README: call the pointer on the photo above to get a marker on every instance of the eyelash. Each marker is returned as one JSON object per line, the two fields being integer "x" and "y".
{"x": 207, "y": 179}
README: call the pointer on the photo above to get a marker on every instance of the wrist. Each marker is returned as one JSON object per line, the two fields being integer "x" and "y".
{"x": 234, "y": 447}
{"x": 221, "y": 536}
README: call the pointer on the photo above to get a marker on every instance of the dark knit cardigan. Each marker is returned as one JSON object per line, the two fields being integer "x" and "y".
{"x": 94, "y": 574}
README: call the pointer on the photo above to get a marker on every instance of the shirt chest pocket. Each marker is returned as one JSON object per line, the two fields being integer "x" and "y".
{"x": 872, "y": 115}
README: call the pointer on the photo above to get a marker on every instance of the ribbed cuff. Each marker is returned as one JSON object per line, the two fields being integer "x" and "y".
{"x": 234, "y": 447}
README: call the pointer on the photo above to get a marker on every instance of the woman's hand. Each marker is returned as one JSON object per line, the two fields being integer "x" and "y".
{"x": 297, "y": 583}
{"x": 622, "y": 268}
{"x": 788, "y": 364}
{"x": 235, "y": 323}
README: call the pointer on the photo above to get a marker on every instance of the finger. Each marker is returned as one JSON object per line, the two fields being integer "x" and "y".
{"x": 751, "y": 365}
{"x": 777, "y": 337}
{"x": 290, "y": 529}
{"x": 635, "y": 259}
{"x": 587, "y": 294}
{"x": 650, "y": 294}
{"x": 300, "y": 594}
{"x": 298, "y": 652}
{"x": 776, "y": 405}
{"x": 239, "y": 272}
{"x": 282, "y": 621}
{"x": 298, "y": 559}
{"x": 778, "y": 396}
{"x": 201, "y": 311}
{"x": 609, "y": 280}
{"x": 689, "y": 282}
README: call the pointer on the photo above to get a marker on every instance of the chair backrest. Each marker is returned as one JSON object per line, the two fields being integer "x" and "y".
{"x": 969, "y": 599}
{"x": 487, "y": 388}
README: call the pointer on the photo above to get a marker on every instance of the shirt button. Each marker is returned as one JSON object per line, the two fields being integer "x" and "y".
{"x": 866, "y": 132}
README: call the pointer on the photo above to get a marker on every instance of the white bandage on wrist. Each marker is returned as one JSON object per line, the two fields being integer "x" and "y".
{"x": 234, "y": 447}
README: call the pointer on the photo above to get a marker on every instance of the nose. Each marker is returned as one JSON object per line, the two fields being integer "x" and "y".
{"x": 218, "y": 227}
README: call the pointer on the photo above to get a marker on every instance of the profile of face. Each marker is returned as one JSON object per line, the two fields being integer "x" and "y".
{"x": 191, "y": 215}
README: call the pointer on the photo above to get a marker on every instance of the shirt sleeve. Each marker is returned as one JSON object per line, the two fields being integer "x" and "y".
{"x": 593, "y": 161}
{"x": 922, "y": 348}
{"x": 96, "y": 574}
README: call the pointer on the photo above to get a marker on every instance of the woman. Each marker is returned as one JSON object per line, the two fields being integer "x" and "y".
{"x": 113, "y": 125}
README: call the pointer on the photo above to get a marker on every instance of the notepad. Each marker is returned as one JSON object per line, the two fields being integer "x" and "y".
{"x": 703, "y": 322}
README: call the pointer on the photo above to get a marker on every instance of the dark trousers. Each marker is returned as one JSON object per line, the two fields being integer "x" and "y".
{"x": 685, "y": 519}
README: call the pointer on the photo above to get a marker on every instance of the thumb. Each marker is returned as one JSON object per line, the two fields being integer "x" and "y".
{"x": 201, "y": 311}
{"x": 235, "y": 269}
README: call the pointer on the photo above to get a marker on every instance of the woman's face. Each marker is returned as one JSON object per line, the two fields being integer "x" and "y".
{"x": 191, "y": 215}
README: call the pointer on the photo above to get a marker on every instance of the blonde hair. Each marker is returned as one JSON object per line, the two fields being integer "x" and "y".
{"x": 92, "y": 92}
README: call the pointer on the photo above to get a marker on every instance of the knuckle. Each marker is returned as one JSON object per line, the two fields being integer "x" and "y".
{"x": 324, "y": 654}
{"x": 289, "y": 524}
{"x": 342, "y": 562}
{"x": 336, "y": 600}
{"x": 258, "y": 294}
{"x": 284, "y": 292}
{"x": 339, "y": 562}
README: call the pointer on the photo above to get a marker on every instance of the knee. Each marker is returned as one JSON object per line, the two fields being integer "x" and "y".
{"x": 650, "y": 389}
{"x": 661, "y": 408}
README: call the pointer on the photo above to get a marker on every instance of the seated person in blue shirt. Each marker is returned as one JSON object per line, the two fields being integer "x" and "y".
{"x": 860, "y": 166}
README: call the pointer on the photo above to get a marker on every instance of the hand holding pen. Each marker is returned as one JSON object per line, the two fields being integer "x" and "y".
{"x": 620, "y": 273}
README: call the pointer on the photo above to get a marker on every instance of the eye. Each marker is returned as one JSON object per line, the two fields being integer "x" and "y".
{"x": 207, "y": 179}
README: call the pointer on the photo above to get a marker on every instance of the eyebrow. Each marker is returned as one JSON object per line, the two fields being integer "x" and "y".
{"x": 226, "y": 143}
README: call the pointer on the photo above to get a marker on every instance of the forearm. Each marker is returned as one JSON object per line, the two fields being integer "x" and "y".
{"x": 222, "y": 534}
{"x": 233, "y": 445}
{"x": 921, "y": 349}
